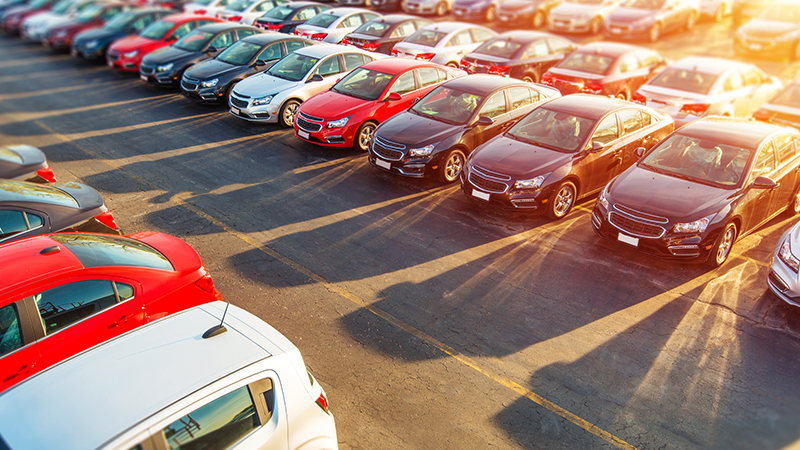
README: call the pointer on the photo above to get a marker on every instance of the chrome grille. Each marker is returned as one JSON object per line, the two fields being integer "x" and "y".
{"x": 640, "y": 215}
{"x": 146, "y": 70}
{"x": 389, "y": 150}
{"x": 238, "y": 103}
{"x": 777, "y": 283}
{"x": 487, "y": 180}
{"x": 308, "y": 126}
{"x": 313, "y": 118}
{"x": 635, "y": 227}
{"x": 188, "y": 83}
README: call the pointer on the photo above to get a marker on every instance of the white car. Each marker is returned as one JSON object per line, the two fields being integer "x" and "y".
{"x": 247, "y": 11}
{"x": 333, "y": 25}
{"x": 443, "y": 43}
{"x": 166, "y": 385}
{"x": 275, "y": 94}
{"x": 208, "y": 8}
{"x": 581, "y": 16}
{"x": 35, "y": 27}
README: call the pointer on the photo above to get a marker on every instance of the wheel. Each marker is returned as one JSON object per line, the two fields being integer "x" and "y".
{"x": 288, "y": 110}
{"x": 538, "y": 19}
{"x": 623, "y": 95}
{"x": 451, "y": 166}
{"x": 655, "y": 32}
{"x": 452, "y": 64}
{"x": 441, "y": 8}
{"x": 364, "y": 135}
{"x": 691, "y": 21}
{"x": 723, "y": 246}
{"x": 595, "y": 25}
{"x": 491, "y": 13}
{"x": 561, "y": 201}
{"x": 530, "y": 77}
{"x": 228, "y": 92}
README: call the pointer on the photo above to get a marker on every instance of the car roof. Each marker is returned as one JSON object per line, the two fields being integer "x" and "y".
{"x": 345, "y": 10}
{"x": 298, "y": 5}
{"x": 393, "y": 66}
{"x": 732, "y": 131}
{"x": 482, "y": 84}
{"x": 183, "y": 17}
{"x": 136, "y": 374}
{"x": 449, "y": 27}
{"x": 225, "y": 26}
{"x": 21, "y": 261}
{"x": 589, "y": 106}
{"x": 706, "y": 64}
{"x": 608, "y": 48}
{"x": 523, "y": 36}
{"x": 273, "y": 36}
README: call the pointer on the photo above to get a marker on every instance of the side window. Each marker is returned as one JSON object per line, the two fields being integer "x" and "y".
{"x": 294, "y": 45}
{"x": 784, "y": 148}
{"x": 140, "y": 23}
{"x": 223, "y": 40}
{"x": 462, "y": 38}
{"x": 244, "y": 33}
{"x": 647, "y": 58}
{"x": 495, "y": 106}
{"x": 353, "y": 60}
{"x": 181, "y": 30}
{"x": 64, "y": 305}
{"x": 559, "y": 45}
{"x": 628, "y": 63}
{"x": 765, "y": 162}
{"x": 306, "y": 13}
{"x": 264, "y": 7}
{"x": 353, "y": 21}
{"x": 631, "y": 120}
{"x": 536, "y": 50}
{"x": 270, "y": 53}
{"x": 733, "y": 81}
{"x": 329, "y": 67}
{"x": 404, "y": 83}
{"x": 481, "y": 35}
{"x": 607, "y": 131}
{"x": 428, "y": 76}
{"x": 109, "y": 13}
{"x": 404, "y": 30}
{"x": 646, "y": 118}
{"x": 520, "y": 96}
{"x": 217, "y": 424}
{"x": 10, "y": 335}
{"x": 369, "y": 16}
{"x": 11, "y": 223}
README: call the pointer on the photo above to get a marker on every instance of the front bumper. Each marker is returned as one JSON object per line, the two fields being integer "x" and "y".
{"x": 569, "y": 26}
{"x": 493, "y": 191}
{"x": 470, "y": 13}
{"x": 117, "y": 62}
{"x": 242, "y": 108}
{"x": 163, "y": 79}
{"x": 763, "y": 47}
{"x": 58, "y": 43}
{"x": 626, "y": 31}
{"x": 313, "y": 129}
{"x": 391, "y": 158}
{"x": 93, "y": 53}
{"x": 423, "y": 8}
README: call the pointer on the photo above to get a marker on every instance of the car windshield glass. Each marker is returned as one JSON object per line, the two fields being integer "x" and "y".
{"x": 61, "y": 7}
{"x": 425, "y": 37}
{"x": 293, "y": 67}
{"x": 239, "y": 53}
{"x": 782, "y": 12}
{"x": 685, "y": 80}
{"x": 88, "y": 14}
{"x": 37, "y": 4}
{"x": 280, "y": 12}
{"x": 94, "y": 250}
{"x": 501, "y": 48}
{"x": 240, "y": 6}
{"x": 586, "y": 62}
{"x": 645, "y": 4}
{"x": 157, "y": 30}
{"x": 363, "y": 83}
{"x": 17, "y": 191}
{"x": 322, "y": 20}
{"x": 448, "y": 105}
{"x": 373, "y": 28}
{"x": 194, "y": 41}
{"x": 10, "y": 156}
{"x": 203, "y": 2}
{"x": 789, "y": 97}
{"x": 552, "y": 129}
{"x": 701, "y": 160}
{"x": 118, "y": 23}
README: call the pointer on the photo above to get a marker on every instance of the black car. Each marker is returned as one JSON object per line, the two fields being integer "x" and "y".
{"x": 700, "y": 189}
{"x": 92, "y": 44}
{"x": 784, "y": 109}
{"x": 23, "y": 162}
{"x": 380, "y": 35}
{"x": 525, "y": 55}
{"x": 435, "y": 135}
{"x": 165, "y": 66}
{"x": 213, "y": 79}
{"x": 29, "y": 209}
{"x": 775, "y": 32}
{"x": 566, "y": 149}
{"x": 285, "y": 18}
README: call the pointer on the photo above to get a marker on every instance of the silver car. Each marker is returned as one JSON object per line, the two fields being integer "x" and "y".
{"x": 333, "y": 25}
{"x": 580, "y": 16}
{"x": 783, "y": 279}
{"x": 443, "y": 43}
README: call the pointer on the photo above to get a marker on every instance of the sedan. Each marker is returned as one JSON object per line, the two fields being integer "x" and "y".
{"x": 26, "y": 163}
{"x": 529, "y": 12}
{"x": 35, "y": 27}
{"x": 207, "y": 8}
{"x": 94, "y": 16}
{"x": 435, "y": 136}
{"x": 702, "y": 188}
{"x": 485, "y": 10}
{"x": 78, "y": 290}
{"x": 93, "y": 44}
{"x": 285, "y": 18}
{"x": 649, "y": 19}
{"x": 443, "y": 43}
{"x": 696, "y": 87}
{"x": 605, "y": 68}
{"x": 247, "y": 11}
{"x": 775, "y": 32}
{"x": 333, "y": 25}
{"x": 783, "y": 278}
{"x": 566, "y": 149}
{"x": 13, "y": 18}
{"x": 580, "y": 16}
{"x": 380, "y": 35}
{"x": 348, "y": 113}
{"x": 784, "y": 109}
{"x": 525, "y": 55}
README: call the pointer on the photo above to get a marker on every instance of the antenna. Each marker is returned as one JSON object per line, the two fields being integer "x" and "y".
{"x": 217, "y": 329}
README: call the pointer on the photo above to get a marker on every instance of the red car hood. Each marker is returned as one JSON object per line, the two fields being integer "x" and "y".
{"x": 131, "y": 43}
{"x": 331, "y": 106}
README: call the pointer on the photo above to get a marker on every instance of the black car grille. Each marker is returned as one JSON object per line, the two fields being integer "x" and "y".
{"x": 306, "y": 125}
{"x": 238, "y": 103}
{"x": 189, "y": 83}
{"x": 112, "y": 56}
{"x": 310, "y": 117}
{"x": 146, "y": 70}
{"x": 635, "y": 227}
{"x": 388, "y": 149}
{"x": 487, "y": 180}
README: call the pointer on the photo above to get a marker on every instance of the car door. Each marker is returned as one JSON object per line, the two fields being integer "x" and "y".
{"x": 19, "y": 350}
{"x": 496, "y": 108}
{"x": 597, "y": 168}
{"x": 735, "y": 98}
{"x": 755, "y": 205}
{"x": 785, "y": 173}
{"x": 459, "y": 45}
{"x": 18, "y": 222}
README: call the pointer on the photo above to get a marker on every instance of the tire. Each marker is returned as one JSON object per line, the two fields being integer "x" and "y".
{"x": 451, "y": 166}
{"x": 530, "y": 77}
{"x": 287, "y": 113}
{"x": 691, "y": 21}
{"x": 228, "y": 91}
{"x": 441, "y": 9}
{"x": 491, "y": 13}
{"x": 654, "y": 33}
{"x": 722, "y": 249}
{"x": 562, "y": 200}
{"x": 363, "y": 136}
{"x": 538, "y": 20}
{"x": 794, "y": 204}
{"x": 596, "y": 26}
{"x": 452, "y": 64}
{"x": 623, "y": 95}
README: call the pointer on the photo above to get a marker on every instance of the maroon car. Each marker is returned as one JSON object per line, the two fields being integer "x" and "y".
{"x": 605, "y": 68}
{"x": 94, "y": 16}
{"x": 12, "y": 20}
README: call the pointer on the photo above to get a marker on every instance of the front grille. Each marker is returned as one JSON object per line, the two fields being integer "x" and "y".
{"x": 388, "y": 149}
{"x": 112, "y": 56}
{"x": 188, "y": 83}
{"x": 640, "y": 215}
{"x": 238, "y": 103}
{"x": 487, "y": 180}
{"x": 308, "y": 126}
{"x": 777, "y": 282}
{"x": 146, "y": 70}
{"x": 634, "y": 227}
{"x": 313, "y": 118}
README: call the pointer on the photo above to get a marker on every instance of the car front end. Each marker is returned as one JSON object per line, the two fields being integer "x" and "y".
{"x": 126, "y": 54}
{"x": 60, "y": 38}
{"x": 472, "y": 9}
{"x": 164, "y": 67}
{"x": 329, "y": 132}
{"x": 767, "y": 38}
{"x": 209, "y": 89}
{"x": 783, "y": 279}
{"x": 573, "y": 17}
{"x": 517, "y": 11}
{"x": 410, "y": 159}
{"x": 629, "y": 23}
{"x": 421, "y": 6}
{"x": 250, "y": 102}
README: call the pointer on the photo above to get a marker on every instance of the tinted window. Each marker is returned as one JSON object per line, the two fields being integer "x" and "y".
{"x": 448, "y": 105}
{"x": 495, "y": 106}
{"x": 481, "y": 35}
{"x": 183, "y": 29}
{"x": 323, "y": 20}
{"x": 10, "y": 336}
{"x": 15, "y": 191}
{"x": 586, "y": 62}
{"x": 224, "y": 40}
{"x": 109, "y": 13}
{"x": 429, "y": 76}
{"x": 352, "y": 21}
{"x": 428, "y": 38}
{"x": 244, "y": 33}
{"x": 240, "y": 53}
{"x": 141, "y": 23}
{"x": 784, "y": 148}
{"x": 353, "y": 60}
{"x": 373, "y": 28}
{"x": 194, "y": 41}
{"x": 607, "y": 131}
{"x": 280, "y": 12}
{"x": 306, "y": 14}
{"x": 685, "y": 80}
{"x": 11, "y": 223}
{"x": 631, "y": 120}
{"x": 271, "y": 52}
{"x": 404, "y": 30}
{"x": 364, "y": 83}
{"x": 535, "y": 50}
{"x": 499, "y": 47}
{"x": 521, "y": 96}
{"x": 329, "y": 67}
{"x": 157, "y": 30}
{"x": 404, "y": 83}
{"x": 462, "y": 38}
{"x": 294, "y": 45}
{"x": 765, "y": 162}
{"x": 70, "y": 303}
{"x": 293, "y": 67}
{"x": 552, "y": 129}
{"x": 706, "y": 160}
{"x": 95, "y": 250}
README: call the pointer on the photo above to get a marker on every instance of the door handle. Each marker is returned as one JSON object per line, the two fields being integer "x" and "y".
{"x": 120, "y": 320}
{"x": 24, "y": 370}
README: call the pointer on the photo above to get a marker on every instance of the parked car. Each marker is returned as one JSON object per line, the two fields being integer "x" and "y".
{"x": 213, "y": 80}
{"x": 605, "y": 68}
{"x": 533, "y": 13}
{"x": 784, "y": 109}
{"x": 702, "y": 188}
{"x": 275, "y": 94}
{"x": 381, "y": 34}
{"x": 94, "y": 16}
{"x": 285, "y": 18}
{"x": 782, "y": 278}
{"x": 744, "y": 10}
{"x": 13, "y": 18}
{"x": 774, "y": 32}
{"x": 521, "y": 54}
{"x": 384, "y": 5}
{"x": 35, "y": 27}
{"x": 484, "y": 10}
{"x": 333, "y": 25}
{"x": 435, "y": 136}
{"x": 443, "y": 43}
{"x": 696, "y": 87}
{"x": 25, "y": 163}
{"x": 93, "y": 44}
{"x": 649, "y": 19}
{"x": 247, "y": 11}
{"x": 580, "y": 16}
{"x": 348, "y": 113}
{"x": 7, "y": 5}
{"x": 566, "y": 149}
{"x": 436, "y": 7}
{"x": 165, "y": 66}
{"x": 717, "y": 10}
{"x": 208, "y": 8}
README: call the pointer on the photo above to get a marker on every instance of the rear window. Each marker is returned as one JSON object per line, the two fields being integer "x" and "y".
{"x": 8, "y": 155}
{"x": 685, "y": 80}
{"x": 16, "y": 191}
{"x": 587, "y": 62}
{"x": 503, "y": 48}
{"x": 373, "y": 29}
{"x": 94, "y": 250}
{"x": 322, "y": 20}
{"x": 425, "y": 37}
{"x": 280, "y": 13}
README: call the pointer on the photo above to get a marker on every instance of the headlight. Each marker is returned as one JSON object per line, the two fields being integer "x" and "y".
{"x": 418, "y": 152}
{"x": 262, "y": 100}
{"x": 91, "y": 44}
{"x": 698, "y": 226}
{"x": 602, "y": 200}
{"x": 786, "y": 255}
{"x": 533, "y": 183}
{"x": 338, "y": 123}
{"x": 130, "y": 55}
{"x": 164, "y": 68}
{"x": 209, "y": 83}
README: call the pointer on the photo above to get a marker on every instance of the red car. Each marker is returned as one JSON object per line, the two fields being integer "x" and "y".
{"x": 12, "y": 19}
{"x": 94, "y": 16}
{"x": 64, "y": 293}
{"x": 126, "y": 54}
{"x": 349, "y": 112}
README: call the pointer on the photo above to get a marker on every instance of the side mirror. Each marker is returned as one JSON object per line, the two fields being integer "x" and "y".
{"x": 485, "y": 121}
{"x": 416, "y": 100}
{"x": 315, "y": 77}
{"x": 639, "y": 151}
{"x": 211, "y": 49}
{"x": 172, "y": 38}
{"x": 394, "y": 96}
{"x": 597, "y": 146}
{"x": 259, "y": 63}
{"x": 764, "y": 183}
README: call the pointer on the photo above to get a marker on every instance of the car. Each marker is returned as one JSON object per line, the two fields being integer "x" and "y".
{"x": 773, "y": 33}
{"x": 25, "y": 163}
{"x": 484, "y": 10}
{"x": 35, "y": 27}
{"x": 126, "y": 54}
{"x": 213, "y": 80}
{"x": 580, "y": 16}
{"x": 566, "y": 149}
{"x": 7, "y": 5}
{"x": 744, "y": 10}
{"x": 381, "y": 34}
{"x": 247, "y": 11}
{"x": 275, "y": 94}
{"x": 521, "y": 54}
{"x": 380, "y": 5}
{"x": 93, "y": 44}
{"x": 605, "y": 68}
{"x": 443, "y": 42}
{"x": 81, "y": 289}
{"x": 435, "y": 136}
{"x": 706, "y": 185}
{"x": 784, "y": 109}
{"x": 533, "y": 13}
{"x": 206, "y": 7}
{"x": 333, "y": 25}
{"x": 13, "y": 18}
{"x": 285, "y": 18}
{"x": 649, "y": 19}
{"x": 348, "y": 113}
{"x": 782, "y": 278}
{"x": 717, "y": 10}
{"x": 696, "y": 86}
{"x": 94, "y": 16}
{"x": 436, "y": 7}
{"x": 165, "y": 66}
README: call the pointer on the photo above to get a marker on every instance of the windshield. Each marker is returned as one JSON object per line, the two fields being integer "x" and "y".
{"x": 586, "y": 62}
{"x": 685, "y": 80}
{"x": 782, "y": 12}
{"x": 322, "y": 20}
{"x": 552, "y": 129}
{"x": 194, "y": 41}
{"x": 157, "y": 30}
{"x": 425, "y": 37}
{"x": 36, "y": 4}
{"x": 279, "y": 12}
{"x": 363, "y": 83}
{"x": 240, "y": 53}
{"x": 789, "y": 97}
{"x": 119, "y": 22}
{"x": 373, "y": 28}
{"x": 700, "y": 160}
{"x": 62, "y": 6}
{"x": 645, "y": 4}
{"x": 502, "y": 48}
{"x": 240, "y": 6}
{"x": 88, "y": 14}
{"x": 448, "y": 105}
{"x": 293, "y": 67}
{"x": 202, "y": 2}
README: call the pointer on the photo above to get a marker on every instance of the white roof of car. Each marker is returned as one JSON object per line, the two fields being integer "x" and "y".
{"x": 706, "y": 64}
{"x": 87, "y": 400}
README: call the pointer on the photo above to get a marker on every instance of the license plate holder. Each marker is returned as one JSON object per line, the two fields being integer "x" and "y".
{"x": 235, "y": 111}
{"x": 383, "y": 164}
{"x": 303, "y": 134}
{"x": 143, "y": 77}
{"x": 630, "y": 240}
{"x": 481, "y": 195}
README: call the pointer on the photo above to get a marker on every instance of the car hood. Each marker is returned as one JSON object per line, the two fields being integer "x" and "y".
{"x": 331, "y": 105}
{"x": 630, "y": 15}
{"x": 86, "y": 197}
{"x": 131, "y": 43}
{"x": 768, "y": 28}
{"x": 264, "y": 84}
{"x": 407, "y": 128}
{"x": 518, "y": 159}
{"x": 576, "y": 9}
{"x": 169, "y": 54}
{"x": 212, "y": 68}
